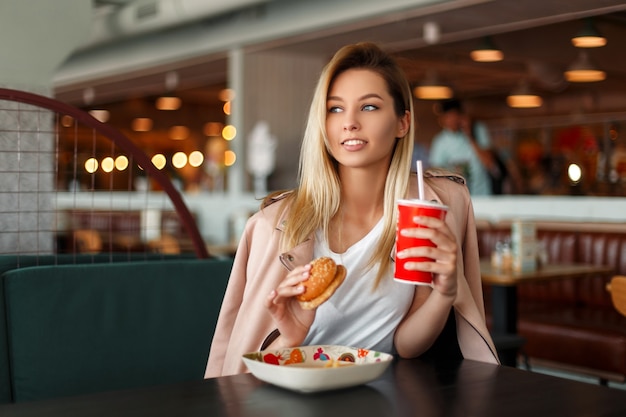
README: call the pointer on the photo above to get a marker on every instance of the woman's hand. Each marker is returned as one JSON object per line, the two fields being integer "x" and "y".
{"x": 292, "y": 321}
{"x": 444, "y": 254}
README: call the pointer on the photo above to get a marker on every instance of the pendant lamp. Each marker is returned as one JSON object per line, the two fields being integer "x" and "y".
{"x": 588, "y": 36}
{"x": 487, "y": 51}
{"x": 431, "y": 88}
{"x": 583, "y": 71}
{"x": 523, "y": 97}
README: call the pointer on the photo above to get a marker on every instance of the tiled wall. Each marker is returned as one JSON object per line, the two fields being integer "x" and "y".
{"x": 26, "y": 178}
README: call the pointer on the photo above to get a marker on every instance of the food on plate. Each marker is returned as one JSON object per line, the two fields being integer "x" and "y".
{"x": 337, "y": 363}
{"x": 324, "y": 278}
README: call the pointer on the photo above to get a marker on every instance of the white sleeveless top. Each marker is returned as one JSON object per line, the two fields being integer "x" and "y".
{"x": 357, "y": 315}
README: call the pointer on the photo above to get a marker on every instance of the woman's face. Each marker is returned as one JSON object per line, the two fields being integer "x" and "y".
{"x": 361, "y": 122}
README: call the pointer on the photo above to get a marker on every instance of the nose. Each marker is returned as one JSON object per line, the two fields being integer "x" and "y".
{"x": 350, "y": 121}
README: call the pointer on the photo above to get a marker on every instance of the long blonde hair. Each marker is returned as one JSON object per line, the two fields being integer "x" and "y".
{"x": 317, "y": 198}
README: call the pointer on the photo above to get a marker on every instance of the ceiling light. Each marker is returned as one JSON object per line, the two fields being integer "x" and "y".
{"x": 142, "y": 124}
{"x": 523, "y": 98}
{"x": 487, "y": 51}
{"x": 432, "y": 89}
{"x": 100, "y": 115}
{"x": 179, "y": 132}
{"x": 168, "y": 103}
{"x": 67, "y": 121}
{"x": 213, "y": 128}
{"x": 226, "y": 94}
{"x": 583, "y": 71}
{"x": 588, "y": 37}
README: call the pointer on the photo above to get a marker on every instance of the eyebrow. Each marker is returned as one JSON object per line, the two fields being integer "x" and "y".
{"x": 364, "y": 97}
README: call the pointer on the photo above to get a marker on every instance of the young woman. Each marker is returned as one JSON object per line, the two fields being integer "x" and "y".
{"x": 354, "y": 165}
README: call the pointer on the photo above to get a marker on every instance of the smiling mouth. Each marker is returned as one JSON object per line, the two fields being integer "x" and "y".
{"x": 352, "y": 142}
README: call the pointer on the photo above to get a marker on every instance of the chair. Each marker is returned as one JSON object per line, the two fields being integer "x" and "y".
{"x": 79, "y": 329}
{"x": 617, "y": 288}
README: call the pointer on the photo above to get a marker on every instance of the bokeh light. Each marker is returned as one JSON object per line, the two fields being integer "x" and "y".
{"x": 229, "y": 132}
{"x": 121, "y": 163}
{"x": 196, "y": 158}
{"x": 179, "y": 159}
{"x": 159, "y": 161}
{"x": 229, "y": 158}
{"x": 574, "y": 173}
{"x": 107, "y": 164}
{"x": 91, "y": 165}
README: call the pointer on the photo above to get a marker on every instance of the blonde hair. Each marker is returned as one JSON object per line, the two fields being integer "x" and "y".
{"x": 317, "y": 198}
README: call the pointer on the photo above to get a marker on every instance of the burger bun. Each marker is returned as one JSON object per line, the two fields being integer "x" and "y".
{"x": 325, "y": 277}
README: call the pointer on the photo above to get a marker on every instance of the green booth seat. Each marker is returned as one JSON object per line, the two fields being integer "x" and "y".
{"x": 14, "y": 261}
{"x": 78, "y": 329}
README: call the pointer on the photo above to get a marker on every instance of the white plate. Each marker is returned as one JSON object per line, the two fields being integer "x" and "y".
{"x": 318, "y": 367}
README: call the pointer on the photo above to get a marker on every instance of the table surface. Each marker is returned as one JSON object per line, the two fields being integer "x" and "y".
{"x": 508, "y": 277}
{"x": 407, "y": 388}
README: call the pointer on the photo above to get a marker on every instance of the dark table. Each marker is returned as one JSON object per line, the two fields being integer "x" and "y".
{"x": 504, "y": 284}
{"x": 407, "y": 388}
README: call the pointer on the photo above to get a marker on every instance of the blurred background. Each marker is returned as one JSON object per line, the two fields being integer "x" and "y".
{"x": 188, "y": 81}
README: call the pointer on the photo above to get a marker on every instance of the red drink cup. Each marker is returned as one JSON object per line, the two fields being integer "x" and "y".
{"x": 407, "y": 210}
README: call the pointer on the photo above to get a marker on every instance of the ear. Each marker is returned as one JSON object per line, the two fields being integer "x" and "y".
{"x": 404, "y": 123}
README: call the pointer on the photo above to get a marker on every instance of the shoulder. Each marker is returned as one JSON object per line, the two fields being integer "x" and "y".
{"x": 442, "y": 176}
{"x": 272, "y": 211}
{"x": 275, "y": 197}
{"x": 437, "y": 178}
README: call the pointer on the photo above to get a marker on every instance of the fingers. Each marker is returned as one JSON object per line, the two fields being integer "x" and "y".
{"x": 443, "y": 254}
{"x": 291, "y": 286}
{"x": 435, "y": 230}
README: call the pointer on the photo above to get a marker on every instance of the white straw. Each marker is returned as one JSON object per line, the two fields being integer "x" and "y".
{"x": 420, "y": 180}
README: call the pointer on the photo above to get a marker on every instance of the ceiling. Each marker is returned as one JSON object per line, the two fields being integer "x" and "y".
{"x": 533, "y": 34}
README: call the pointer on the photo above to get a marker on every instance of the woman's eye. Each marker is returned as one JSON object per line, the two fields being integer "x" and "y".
{"x": 369, "y": 107}
{"x": 334, "y": 109}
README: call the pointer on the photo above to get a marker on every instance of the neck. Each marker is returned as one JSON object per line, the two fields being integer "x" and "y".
{"x": 363, "y": 192}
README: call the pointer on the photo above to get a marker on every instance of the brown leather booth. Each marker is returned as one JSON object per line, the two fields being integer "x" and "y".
{"x": 570, "y": 323}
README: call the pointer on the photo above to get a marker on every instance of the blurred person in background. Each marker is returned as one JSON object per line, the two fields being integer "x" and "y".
{"x": 464, "y": 146}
